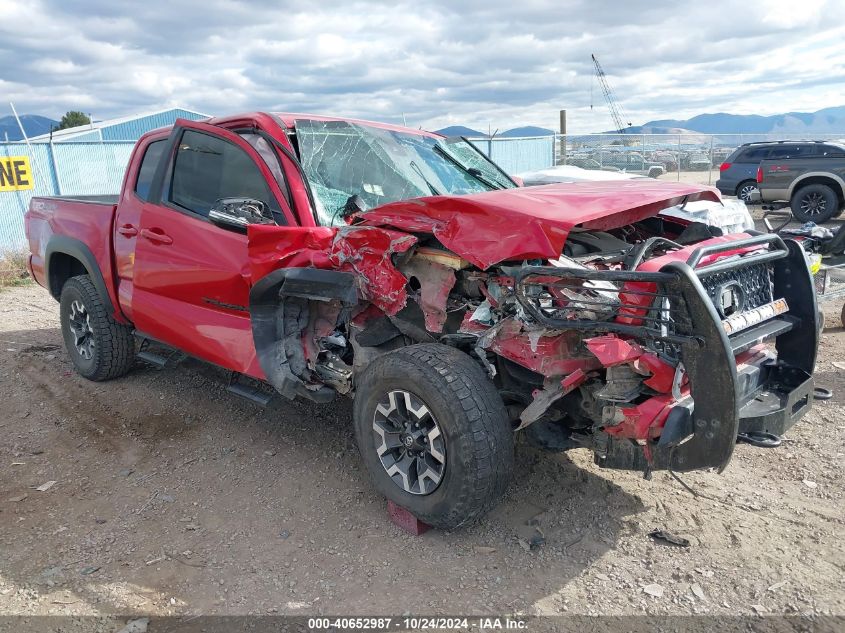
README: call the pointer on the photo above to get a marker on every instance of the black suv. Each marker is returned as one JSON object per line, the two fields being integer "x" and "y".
{"x": 738, "y": 174}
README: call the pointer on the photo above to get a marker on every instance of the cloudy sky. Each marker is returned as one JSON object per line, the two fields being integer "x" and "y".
{"x": 497, "y": 63}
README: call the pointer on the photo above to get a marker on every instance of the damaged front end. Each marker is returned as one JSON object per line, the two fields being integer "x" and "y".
{"x": 683, "y": 364}
{"x": 652, "y": 352}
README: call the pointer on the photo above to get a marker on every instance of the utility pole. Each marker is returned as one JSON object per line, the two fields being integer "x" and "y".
{"x": 562, "y": 137}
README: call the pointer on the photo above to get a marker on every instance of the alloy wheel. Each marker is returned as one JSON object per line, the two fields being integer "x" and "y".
{"x": 813, "y": 204}
{"x": 79, "y": 321}
{"x": 745, "y": 192}
{"x": 409, "y": 443}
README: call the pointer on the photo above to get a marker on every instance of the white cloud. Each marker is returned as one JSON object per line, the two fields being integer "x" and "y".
{"x": 475, "y": 62}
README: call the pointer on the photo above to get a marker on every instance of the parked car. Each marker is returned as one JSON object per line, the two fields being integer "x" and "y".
{"x": 738, "y": 174}
{"x": 812, "y": 183}
{"x": 331, "y": 257}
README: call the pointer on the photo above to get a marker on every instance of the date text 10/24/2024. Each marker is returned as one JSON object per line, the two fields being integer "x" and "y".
{"x": 420, "y": 623}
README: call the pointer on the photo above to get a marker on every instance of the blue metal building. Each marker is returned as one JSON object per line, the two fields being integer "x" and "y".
{"x": 128, "y": 128}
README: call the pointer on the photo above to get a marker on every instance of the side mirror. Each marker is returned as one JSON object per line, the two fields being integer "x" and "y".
{"x": 238, "y": 213}
{"x": 354, "y": 204}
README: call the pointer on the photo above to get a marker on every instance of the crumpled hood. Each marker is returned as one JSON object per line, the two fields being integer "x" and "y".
{"x": 530, "y": 222}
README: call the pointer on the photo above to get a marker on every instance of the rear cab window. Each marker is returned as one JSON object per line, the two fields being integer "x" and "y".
{"x": 149, "y": 163}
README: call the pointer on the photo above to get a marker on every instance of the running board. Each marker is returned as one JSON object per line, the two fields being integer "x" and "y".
{"x": 152, "y": 358}
{"x": 256, "y": 396}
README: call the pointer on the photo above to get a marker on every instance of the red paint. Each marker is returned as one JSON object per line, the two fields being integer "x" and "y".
{"x": 662, "y": 374}
{"x": 405, "y": 520}
{"x": 530, "y": 223}
{"x": 363, "y": 250}
{"x": 555, "y": 355}
{"x": 643, "y": 421}
{"x": 612, "y": 350}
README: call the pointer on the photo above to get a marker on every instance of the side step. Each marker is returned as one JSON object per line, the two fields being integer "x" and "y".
{"x": 256, "y": 396}
{"x": 152, "y": 358}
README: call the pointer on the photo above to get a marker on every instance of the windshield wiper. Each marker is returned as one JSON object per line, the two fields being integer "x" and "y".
{"x": 419, "y": 171}
{"x": 472, "y": 171}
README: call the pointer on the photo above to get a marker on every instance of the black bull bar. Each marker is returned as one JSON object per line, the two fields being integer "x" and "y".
{"x": 701, "y": 430}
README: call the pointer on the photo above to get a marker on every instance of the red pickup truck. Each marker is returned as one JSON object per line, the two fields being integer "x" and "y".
{"x": 330, "y": 256}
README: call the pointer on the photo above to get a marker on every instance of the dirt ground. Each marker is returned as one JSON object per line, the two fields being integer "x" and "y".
{"x": 172, "y": 496}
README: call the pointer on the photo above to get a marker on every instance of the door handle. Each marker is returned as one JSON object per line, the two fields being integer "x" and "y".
{"x": 156, "y": 237}
{"x": 128, "y": 230}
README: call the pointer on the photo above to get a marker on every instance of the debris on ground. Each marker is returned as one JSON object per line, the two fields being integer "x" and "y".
{"x": 46, "y": 486}
{"x": 654, "y": 590}
{"x": 667, "y": 537}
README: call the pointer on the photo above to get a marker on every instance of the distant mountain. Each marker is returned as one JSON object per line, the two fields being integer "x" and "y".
{"x": 827, "y": 121}
{"x": 459, "y": 130}
{"x": 528, "y": 130}
{"x": 33, "y": 124}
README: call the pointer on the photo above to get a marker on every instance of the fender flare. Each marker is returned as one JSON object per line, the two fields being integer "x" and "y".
{"x": 62, "y": 244}
{"x": 270, "y": 299}
{"x": 796, "y": 184}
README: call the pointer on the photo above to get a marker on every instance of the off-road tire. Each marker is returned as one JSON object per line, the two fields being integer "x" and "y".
{"x": 471, "y": 416}
{"x": 825, "y": 193}
{"x": 113, "y": 349}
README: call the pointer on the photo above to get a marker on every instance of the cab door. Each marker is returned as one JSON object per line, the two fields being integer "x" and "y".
{"x": 191, "y": 277}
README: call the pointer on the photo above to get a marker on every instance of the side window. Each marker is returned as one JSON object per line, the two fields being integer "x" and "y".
{"x": 207, "y": 168}
{"x": 754, "y": 155}
{"x": 831, "y": 150}
{"x": 792, "y": 151}
{"x": 149, "y": 162}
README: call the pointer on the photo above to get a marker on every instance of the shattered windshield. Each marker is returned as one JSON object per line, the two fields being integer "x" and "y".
{"x": 343, "y": 159}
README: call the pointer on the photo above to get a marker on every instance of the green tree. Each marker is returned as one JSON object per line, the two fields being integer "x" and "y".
{"x": 72, "y": 119}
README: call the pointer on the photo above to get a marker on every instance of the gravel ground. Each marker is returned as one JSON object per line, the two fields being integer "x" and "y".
{"x": 172, "y": 496}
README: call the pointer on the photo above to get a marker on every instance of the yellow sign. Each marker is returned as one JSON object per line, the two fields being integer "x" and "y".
{"x": 15, "y": 173}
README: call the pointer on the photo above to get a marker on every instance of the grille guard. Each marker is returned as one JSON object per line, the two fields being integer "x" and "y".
{"x": 706, "y": 435}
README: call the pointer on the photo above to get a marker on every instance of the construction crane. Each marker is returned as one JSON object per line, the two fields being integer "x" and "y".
{"x": 613, "y": 106}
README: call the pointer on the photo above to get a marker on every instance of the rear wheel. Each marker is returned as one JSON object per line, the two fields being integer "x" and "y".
{"x": 745, "y": 190}
{"x": 433, "y": 433}
{"x": 815, "y": 203}
{"x": 99, "y": 347}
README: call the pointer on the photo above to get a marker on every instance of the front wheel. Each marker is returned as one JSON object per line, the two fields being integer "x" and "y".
{"x": 815, "y": 203}
{"x": 434, "y": 434}
{"x": 99, "y": 347}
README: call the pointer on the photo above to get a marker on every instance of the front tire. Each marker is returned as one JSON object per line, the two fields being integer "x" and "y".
{"x": 434, "y": 434}
{"x": 815, "y": 203}
{"x": 99, "y": 347}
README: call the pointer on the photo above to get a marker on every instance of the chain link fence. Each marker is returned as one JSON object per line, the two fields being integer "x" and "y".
{"x": 693, "y": 158}
{"x": 69, "y": 169}
{"x": 88, "y": 168}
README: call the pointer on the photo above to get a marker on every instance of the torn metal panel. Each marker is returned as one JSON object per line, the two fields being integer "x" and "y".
{"x": 544, "y": 398}
{"x": 661, "y": 373}
{"x": 554, "y": 354}
{"x": 366, "y": 251}
{"x": 612, "y": 350}
{"x": 436, "y": 282}
{"x": 533, "y": 222}
{"x": 641, "y": 421}
{"x": 283, "y": 328}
